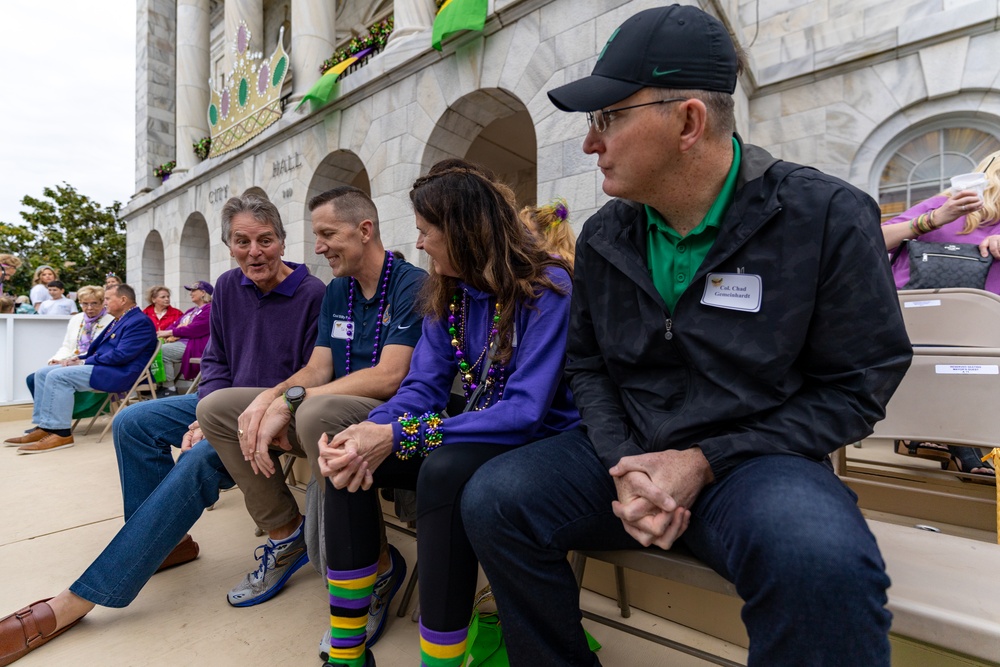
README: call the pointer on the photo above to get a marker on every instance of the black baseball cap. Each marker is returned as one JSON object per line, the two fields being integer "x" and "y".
{"x": 678, "y": 47}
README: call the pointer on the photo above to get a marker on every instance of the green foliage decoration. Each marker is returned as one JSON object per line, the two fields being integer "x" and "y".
{"x": 68, "y": 231}
{"x": 202, "y": 147}
{"x": 377, "y": 36}
{"x": 164, "y": 170}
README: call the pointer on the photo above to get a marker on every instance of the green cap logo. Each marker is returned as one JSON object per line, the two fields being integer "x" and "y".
{"x": 610, "y": 39}
{"x": 657, "y": 72}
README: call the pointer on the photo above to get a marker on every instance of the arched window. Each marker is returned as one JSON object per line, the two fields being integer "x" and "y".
{"x": 925, "y": 160}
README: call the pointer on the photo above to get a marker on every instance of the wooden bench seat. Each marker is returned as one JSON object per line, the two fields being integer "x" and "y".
{"x": 943, "y": 589}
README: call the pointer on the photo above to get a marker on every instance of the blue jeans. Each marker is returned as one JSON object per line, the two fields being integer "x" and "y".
{"x": 144, "y": 434}
{"x": 784, "y": 529}
{"x": 54, "y": 389}
{"x": 115, "y": 578}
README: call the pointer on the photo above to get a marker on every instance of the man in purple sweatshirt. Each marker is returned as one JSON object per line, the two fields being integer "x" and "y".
{"x": 263, "y": 328}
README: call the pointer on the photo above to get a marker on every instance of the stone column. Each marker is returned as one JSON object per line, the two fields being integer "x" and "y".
{"x": 250, "y": 12}
{"x": 313, "y": 39}
{"x": 411, "y": 16}
{"x": 154, "y": 90}
{"x": 192, "y": 78}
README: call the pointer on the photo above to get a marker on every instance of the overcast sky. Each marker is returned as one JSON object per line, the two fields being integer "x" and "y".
{"x": 67, "y": 112}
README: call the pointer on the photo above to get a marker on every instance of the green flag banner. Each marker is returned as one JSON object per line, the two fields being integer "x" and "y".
{"x": 457, "y": 15}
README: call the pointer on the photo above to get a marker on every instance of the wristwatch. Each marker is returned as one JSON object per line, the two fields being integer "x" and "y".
{"x": 294, "y": 397}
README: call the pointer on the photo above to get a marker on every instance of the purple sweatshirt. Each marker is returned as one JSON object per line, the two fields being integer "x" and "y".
{"x": 260, "y": 340}
{"x": 945, "y": 234}
{"x": 195, "y": 333}
{"x": 536, "y": 402}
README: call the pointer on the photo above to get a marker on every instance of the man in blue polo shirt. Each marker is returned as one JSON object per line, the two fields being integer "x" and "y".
{"x": 368, "y": 326}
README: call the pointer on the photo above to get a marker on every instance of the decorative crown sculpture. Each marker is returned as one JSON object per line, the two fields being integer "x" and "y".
{"x": 251, "y": 99}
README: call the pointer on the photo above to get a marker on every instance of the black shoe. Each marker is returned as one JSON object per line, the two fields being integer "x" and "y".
{"x": 165, "y": 393}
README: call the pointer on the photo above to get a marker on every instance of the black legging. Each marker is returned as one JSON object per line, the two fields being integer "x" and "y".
{"x": 447, "y": 564}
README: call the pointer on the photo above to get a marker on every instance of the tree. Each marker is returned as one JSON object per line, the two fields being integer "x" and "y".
{"x": 70, "y": 232}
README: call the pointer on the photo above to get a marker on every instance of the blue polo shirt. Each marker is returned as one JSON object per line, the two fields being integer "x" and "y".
{"x": 400, "y": 320}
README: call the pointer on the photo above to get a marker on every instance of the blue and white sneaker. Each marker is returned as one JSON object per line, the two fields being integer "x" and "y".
{"x": 385, "y": 589}
{"x": 278, "y": 562}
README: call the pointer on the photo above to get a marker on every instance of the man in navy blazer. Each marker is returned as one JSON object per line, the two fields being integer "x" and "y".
{"x": 112, "y": 364}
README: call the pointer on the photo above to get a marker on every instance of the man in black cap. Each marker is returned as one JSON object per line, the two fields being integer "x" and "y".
{"x": 764, "y": 334}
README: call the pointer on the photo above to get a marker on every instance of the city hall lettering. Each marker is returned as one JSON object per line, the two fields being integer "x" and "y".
{"x": 287, "y": 164}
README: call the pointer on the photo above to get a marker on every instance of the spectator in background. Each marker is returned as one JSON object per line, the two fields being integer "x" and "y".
{"x": 551, "y": 223}
{"x": 6, "y": 305}
{"x": 188, "y": 338}
{"x": 159, "y": 310}
{"x": 43, "y": 276}
{"x": 57, "y": 304}
{"x": 8, "y": 267}
{"x": 112, "y": 363}
{"x": 23, "y": 306}
{"x": 111, "y": 278}
{"x": 81, "y": 330}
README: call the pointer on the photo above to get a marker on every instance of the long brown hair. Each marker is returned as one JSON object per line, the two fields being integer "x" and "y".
{"x": 487, "y": 244}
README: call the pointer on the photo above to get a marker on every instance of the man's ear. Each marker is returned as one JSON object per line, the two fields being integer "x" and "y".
{"x": 695, "y": 123}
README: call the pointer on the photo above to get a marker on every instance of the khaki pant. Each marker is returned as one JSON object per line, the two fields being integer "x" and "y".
{"x": 268, "y": 499}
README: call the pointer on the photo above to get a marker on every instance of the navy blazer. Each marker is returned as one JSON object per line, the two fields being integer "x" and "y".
{"x": 121, "y": 351}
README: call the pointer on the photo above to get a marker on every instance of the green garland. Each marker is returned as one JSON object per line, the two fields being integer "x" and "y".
{"x": 164, "y": 169}
{"x": 202, "y": 147}
{"x": 377, "y": 36}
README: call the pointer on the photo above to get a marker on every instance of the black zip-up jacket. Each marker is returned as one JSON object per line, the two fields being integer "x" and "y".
{"x": 808, "y": 373}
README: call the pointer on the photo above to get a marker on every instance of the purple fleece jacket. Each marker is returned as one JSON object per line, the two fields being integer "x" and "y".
{"x": 536, "y": 403}
{"x": 260, "y": 340}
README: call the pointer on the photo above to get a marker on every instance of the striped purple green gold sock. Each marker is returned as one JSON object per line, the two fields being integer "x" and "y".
{"x": 350, "y": 596}
{"x": 442, "y": 649}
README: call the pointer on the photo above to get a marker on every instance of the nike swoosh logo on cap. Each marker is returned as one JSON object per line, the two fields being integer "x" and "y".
{"x": 657, "y": 72}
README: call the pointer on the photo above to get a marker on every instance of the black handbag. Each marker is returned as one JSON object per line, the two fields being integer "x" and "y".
{"x": 939, "y": 265}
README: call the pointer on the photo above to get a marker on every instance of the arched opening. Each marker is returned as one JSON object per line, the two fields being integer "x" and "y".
{"x": 493, "y": 128}
{"x": 255, "y": 190}
{"x": 152, "y": 262}
{"x": 195, "y": 260}
{"x": 919, "y": 163}
{"x": 341, "y": 167}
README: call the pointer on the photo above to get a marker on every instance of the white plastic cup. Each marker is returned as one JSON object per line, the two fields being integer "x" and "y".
{"x": 975, "y": 182}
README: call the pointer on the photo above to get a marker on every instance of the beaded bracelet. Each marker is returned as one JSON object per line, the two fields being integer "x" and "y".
{"x": 411, "y": 439}
{"x": 433, "y": 438}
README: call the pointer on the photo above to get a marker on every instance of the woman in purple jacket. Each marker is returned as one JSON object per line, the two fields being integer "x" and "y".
{"x": 187, "y": 339}
{"x": 496, "y": 309}
{"x": 961, "y": 217}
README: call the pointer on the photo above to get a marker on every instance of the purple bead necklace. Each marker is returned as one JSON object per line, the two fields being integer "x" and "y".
{"x": 496, "y": 373}
{"x": 378, "y": 321}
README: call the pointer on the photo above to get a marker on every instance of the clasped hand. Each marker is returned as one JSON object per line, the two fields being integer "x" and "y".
{"x": 656, "y": 492}
{"x": 351, "y": 456}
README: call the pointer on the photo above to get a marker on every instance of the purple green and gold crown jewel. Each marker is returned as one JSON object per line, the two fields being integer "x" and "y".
{"x": 251, "y": 99}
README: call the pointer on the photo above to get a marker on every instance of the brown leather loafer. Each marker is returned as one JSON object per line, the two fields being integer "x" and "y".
{"x": 25, "y": 630}
{"x": 27, "y": 438}
{"x": 50, "y": 443}
{"x": 185, "y": 551}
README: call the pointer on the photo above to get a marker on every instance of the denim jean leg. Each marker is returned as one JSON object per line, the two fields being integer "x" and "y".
{"x": 788, "y": 533}
{"x": 144, "y": 434}
{"x": 56, "y": 411}
{"x": 522, "y": 512}
{"x": 40, "y": 377}
{"x": 115, "y": 578}
{"x": 30, "y": 381}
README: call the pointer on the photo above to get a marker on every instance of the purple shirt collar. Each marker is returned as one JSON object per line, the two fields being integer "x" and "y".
{"x": 287, "y": 286}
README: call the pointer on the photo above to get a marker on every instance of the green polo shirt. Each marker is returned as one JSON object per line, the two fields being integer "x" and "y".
{"x": 674, "y": 259}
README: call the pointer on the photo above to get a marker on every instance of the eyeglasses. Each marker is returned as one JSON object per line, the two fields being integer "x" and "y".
{"x": 599, "y": 120}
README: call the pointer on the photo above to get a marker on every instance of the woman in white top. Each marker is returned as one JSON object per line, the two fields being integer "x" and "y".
{"x": 44, "y": 274}
{"x": 83, "y": 328}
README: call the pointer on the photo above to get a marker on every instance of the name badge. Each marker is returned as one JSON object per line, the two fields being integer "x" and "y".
{"x": 343, "y": 330}
{"x": 733, "y": 291}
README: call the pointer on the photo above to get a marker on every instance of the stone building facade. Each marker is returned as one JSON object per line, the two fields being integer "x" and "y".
{"x": 892, "y": 97}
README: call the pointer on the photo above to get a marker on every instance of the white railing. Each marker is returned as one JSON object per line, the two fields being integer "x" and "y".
{"x": 26, "y": 343}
